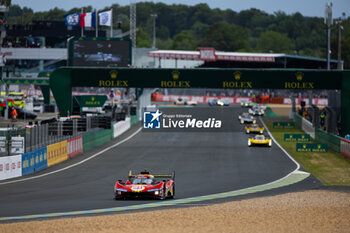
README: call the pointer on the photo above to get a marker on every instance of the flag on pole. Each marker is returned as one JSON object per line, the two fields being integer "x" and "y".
{"x": 88, "y": 19}
{"x": 105, "y": 18}
{"x": 72, "y": 19}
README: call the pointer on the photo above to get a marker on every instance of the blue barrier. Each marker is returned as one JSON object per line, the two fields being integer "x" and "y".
{"x": 40, "y": 157}
{"x": 27, "y": 163}
{"x": 34, "y": 161}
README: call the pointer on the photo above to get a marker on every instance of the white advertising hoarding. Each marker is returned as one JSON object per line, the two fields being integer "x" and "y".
{"x": 10, "y": 167}
{"x": 120, "y": 127}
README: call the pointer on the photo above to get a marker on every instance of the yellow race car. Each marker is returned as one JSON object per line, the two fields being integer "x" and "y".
{"x": 260, "y": 140}
{"x": 254, "y": 128}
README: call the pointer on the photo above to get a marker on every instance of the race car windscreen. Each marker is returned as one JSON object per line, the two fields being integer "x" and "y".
{"x": 142, "y": 181}
{"x": 103, "y": 53}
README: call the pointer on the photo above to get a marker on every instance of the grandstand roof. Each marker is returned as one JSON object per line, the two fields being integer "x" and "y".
{"x": 210, "y": 56}
{"x": 218, "y": 55}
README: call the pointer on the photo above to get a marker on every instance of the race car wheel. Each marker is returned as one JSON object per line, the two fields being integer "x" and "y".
{"x": 270, "y": 143}
{"x": 164, "y": 192}
{"x": 247, "y": 131}
{"x": 249, "y": 143}
{"x": 172, "y": 195}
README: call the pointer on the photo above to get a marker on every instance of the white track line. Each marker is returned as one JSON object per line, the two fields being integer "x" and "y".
{"x": 291, "y": 158}
{"x": 76, "y": 164}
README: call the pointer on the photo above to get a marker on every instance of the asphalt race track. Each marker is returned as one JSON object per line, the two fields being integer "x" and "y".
{"x": 205, "y": 163}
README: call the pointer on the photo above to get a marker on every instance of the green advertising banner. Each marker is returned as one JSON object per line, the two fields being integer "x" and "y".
{"x": 34, "y": 81}
{"x": 283, "y": 125}
{"x": 289, "y": 137}
{"x": 312, "y": 147}
{"x": 90, "y": 100}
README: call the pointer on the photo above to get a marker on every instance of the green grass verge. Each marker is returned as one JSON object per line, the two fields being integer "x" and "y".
{"x": 330, "y": 168}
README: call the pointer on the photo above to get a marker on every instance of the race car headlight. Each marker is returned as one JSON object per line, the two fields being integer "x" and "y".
{"x": 121, "y": 190}
{"x": 156, "y": 191}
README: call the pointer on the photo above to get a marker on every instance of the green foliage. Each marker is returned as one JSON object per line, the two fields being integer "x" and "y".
{"x": 143, "y": 39}
{"x": 199, "y": 29}
{"x": 5, "y": 2}
{"x": 275, "y": 42}
{"x": 184, "y": 41}
{"x": 225, "y": 36}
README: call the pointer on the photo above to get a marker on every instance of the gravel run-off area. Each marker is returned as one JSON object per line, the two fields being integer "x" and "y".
{"x": 307, "y": 211}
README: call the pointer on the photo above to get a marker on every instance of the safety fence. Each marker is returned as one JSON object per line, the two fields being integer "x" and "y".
{"x": 345, "y": 148}
{"x": 333, "y": 141}
{"x": 59, "y": 151}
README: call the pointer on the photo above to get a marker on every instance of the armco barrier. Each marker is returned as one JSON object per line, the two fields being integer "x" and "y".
{"x": 34, "y": 161}
{"x": 345, "y": 148}
{"x": 96, "y": 138}
{"x": 332, "y": 140}
{"x": 74, "y": 146}
{"x": 120, "y": 127}
{"x": 10, "y": 167}
{"x": 57, "y": 153}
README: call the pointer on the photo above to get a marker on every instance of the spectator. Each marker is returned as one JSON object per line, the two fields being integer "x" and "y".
{"x": 322, "y": 118}
{"x": 14, "y": 114}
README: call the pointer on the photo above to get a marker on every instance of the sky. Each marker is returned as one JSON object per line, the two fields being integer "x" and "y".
{"x": 305, "y": 7}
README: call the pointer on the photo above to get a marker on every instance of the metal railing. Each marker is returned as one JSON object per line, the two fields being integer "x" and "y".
{"x": 52, "y": 131}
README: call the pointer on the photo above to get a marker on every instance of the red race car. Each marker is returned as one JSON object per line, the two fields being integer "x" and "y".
{"x": 145, "y": 185}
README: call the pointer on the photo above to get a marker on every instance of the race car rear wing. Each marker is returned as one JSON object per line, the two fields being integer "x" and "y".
{"x": 156, "y": 176}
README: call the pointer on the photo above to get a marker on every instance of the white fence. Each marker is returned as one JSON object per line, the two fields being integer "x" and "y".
{"x": 120, "y": 127}
{"x": 307, "y": 127}
{"x": 345, "y": 147}
{"x": 10, "y": 167}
